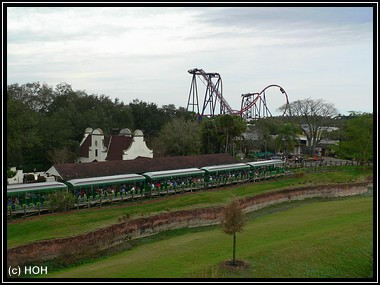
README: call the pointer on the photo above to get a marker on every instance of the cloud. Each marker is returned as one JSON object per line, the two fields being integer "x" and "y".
{"x": 146, "y": 52}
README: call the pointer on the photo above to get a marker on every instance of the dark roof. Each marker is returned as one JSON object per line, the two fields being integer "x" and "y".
{"x": 115, "y": 148}
{"x": 118, "y": 144}
{"x": 139, "y": 165}
{"x": 85, "y": 146}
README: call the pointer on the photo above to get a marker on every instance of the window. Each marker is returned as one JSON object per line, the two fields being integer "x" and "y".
{"x": 96, "y": 152}
{"x": 96, "y": 143}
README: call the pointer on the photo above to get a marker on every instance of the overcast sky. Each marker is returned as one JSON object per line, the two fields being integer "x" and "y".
{"x": 145, "y": 53}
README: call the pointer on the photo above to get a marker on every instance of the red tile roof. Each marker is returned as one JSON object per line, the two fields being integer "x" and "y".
{"x": 139, "y": 165}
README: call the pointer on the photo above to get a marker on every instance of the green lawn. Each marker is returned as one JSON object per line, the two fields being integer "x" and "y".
{"x": 77, "y": 222}
{"x": 315, "y": 239}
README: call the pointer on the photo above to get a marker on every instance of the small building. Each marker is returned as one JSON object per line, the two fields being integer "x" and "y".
{"x": 95, "y": 146}
{"x": 323, "y": 147}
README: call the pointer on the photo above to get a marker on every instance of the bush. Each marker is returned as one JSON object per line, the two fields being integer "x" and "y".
{"x": 60, "y": 200}
{"x": 41, "y": 178}
{"x": 11, "y": 173}
{"x": 30, "y": 178}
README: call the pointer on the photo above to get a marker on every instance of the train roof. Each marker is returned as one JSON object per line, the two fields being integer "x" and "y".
{"x": 34, "y": 187}
{"x": 174, "y": 173}
{"x": 266, "y": 162}
{"x": 105, "y": 180}
{"x": 226, "y": 167}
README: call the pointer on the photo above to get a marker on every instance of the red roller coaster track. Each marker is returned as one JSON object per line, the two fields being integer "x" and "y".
{"x": 253, "y": 105}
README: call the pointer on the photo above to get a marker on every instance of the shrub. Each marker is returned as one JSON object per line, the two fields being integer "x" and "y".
{"x": 60, "y": 200}
{"x": 30, "y": 178}
{"x": 11, "y": 173}
{"x": 41, "y": 178}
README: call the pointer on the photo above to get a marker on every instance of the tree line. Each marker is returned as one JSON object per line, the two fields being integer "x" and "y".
{"x": 312, "y": 118}
{"x": 44, "y": 122}
{"x": 45, "y": 125}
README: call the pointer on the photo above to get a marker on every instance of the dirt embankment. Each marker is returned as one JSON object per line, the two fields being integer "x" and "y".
{"x": 90, "y": 243}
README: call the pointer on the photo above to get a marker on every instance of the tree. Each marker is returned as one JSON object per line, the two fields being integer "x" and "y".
{"x": 43, "y": 119}
{"x": 60, "y": 200}
{"x": 286, "y": 137}
{"x": 35, "y": 96}
{"x": 219, "y": 134}
{"x": 230, "y": 127}
{"x": 11, "y": 173}
{"x": 233, "y": 222}
{"x": 358, "y": 139}
{"x": 266, "y": 128}
{"x": 62, "y": 155}
{"x": 178, "y": 137}
{"x": 148, "y": 118}
{"x": 312, "y": 115}
{"x": 22, "y": 131}
{"x": 209, "y": 137}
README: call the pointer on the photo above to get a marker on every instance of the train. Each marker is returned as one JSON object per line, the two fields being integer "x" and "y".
{"x": 98, "y": 190}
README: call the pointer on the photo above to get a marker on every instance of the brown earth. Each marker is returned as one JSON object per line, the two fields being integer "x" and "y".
{"x": 239, "y": 265}
{"x": 82, "y": 246}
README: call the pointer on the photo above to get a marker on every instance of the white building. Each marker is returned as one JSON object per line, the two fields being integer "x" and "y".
{"x": 95, "y": 146}
{"x": 18, "y": 178}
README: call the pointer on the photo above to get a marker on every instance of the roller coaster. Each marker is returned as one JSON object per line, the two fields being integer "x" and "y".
{"x": 253, "y": 105}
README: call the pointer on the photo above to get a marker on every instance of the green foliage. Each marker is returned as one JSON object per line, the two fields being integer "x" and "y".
{"x": 358, "y": 143}
{"x": 60, "y": 200}
{"x": 219, "y": 134}
{"x": 268, "y": 126}
{"x": 45, "y": 124}
{"x": 35, "y": 96}
{"x": 264, "y": 129}
{"x": 11, "y": 173}
{"x": 22, "y": 130}
{"x": 149, "y": 118}
{"x": 178, "y": 137}
{"x": 211, "y": 141}
{"x": 287, "y": 137}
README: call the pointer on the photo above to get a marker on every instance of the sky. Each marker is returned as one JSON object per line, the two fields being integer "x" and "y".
{"x": 144, "y": 53}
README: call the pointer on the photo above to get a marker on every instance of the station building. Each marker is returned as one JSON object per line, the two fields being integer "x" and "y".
{"x": 95, "y": 146}
{"x": 139, "y": 165}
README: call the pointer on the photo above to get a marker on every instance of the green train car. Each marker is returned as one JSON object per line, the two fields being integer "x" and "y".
{"x": 226, "y": 174}
{"x": 266, "y": 168}
{"x": 98, "y": 190}
{"x": 175, "y": 180}
{"x": 28, "y": 195}
{"x": 104, "y": 187}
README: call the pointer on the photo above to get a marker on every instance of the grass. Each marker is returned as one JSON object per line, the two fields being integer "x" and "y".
{"x": 317, "y": 238}
{"x": 75, "y": 222}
